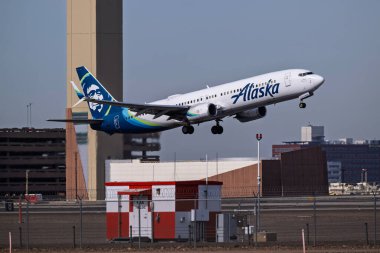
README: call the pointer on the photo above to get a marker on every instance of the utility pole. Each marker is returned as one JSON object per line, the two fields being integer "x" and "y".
{"x": 259, "y": 136}
{"x": 27, "y": 115}
{"x": 30, "y": 118}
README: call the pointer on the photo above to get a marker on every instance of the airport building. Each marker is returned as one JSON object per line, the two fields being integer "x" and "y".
{"x": 32, "y": 160}
{"x": 349, "y": 156}
{"x": 295, "y": 174}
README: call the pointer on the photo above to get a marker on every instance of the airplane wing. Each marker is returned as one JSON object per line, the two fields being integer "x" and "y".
{"x": 174, "y": 112}
{"x": 78, "y": 121}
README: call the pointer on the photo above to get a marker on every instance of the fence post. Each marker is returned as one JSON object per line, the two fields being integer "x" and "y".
{"x": 374, "y": 199}
{"x": 74, "y": 236}
{"x": 256, "y": 243}
{"x": 189, "y": 234}
{"x": 307, "y": 234}
{"x": 81, "y": 223}
{"x": 366, "y": 232}
{"x": 303, "y": 241}
{"x": 10, "y": 242}
{"x": 315, "y": 219}
{"x": 20, "y": 234}
{"x": 27, "y": 226}
{"x": 249, "y": 232}
{"x": 195, "y": 234}
{"x": 229, "y": 227}
{"x": 130, "y": 235}
{"x": 139, "y": 207}
{"x": 119, "y": 224}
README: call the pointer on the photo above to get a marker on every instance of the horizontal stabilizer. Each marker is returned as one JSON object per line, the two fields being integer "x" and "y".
{"x": 79, "y": 121}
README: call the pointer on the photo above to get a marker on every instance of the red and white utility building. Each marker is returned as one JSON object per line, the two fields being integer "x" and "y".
{"x": 166, "y": 210}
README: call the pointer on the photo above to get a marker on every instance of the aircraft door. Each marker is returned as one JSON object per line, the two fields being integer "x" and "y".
{"x": 287, "y": 79}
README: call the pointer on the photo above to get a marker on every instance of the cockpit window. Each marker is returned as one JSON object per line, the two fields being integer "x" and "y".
{"x": 306, "y": 73}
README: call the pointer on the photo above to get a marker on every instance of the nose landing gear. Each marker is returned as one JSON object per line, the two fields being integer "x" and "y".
{"x": 302, "y": 105}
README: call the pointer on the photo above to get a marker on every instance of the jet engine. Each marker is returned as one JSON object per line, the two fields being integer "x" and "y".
{"x": 200, "y": 112}
{"x": 252, "y": 114}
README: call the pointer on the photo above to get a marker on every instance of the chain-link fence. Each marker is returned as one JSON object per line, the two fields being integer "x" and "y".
{"x": 138, "y": 223}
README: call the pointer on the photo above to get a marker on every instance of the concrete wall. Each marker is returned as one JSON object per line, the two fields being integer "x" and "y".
{"x": 126, "y": 170}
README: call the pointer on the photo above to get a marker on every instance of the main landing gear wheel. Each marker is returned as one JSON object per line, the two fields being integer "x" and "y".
{"x": 187, "y": 129}
{"x": 302, "y": 105}
{"x": 217, "y": 129}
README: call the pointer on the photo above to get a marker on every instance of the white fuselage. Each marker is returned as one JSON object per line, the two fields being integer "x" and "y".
{"x": 226, "y": 96}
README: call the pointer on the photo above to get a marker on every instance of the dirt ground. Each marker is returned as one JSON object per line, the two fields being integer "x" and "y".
{"x": 260, "y": 249}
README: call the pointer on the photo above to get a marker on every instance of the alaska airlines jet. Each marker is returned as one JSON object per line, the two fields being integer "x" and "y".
{"x": 245, "y": 100}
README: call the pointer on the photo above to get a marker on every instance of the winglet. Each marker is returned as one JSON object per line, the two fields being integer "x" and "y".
{"x": 79, "y": 94}
{"x": 77, "y": 91}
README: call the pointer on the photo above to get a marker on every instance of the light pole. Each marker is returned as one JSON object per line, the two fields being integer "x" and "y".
{"x": 258, "y": 138}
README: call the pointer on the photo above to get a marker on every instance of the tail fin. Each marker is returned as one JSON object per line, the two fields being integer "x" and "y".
{"x": 92, "y": 88}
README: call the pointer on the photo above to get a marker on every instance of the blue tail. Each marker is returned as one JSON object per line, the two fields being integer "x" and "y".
{"x": 94, "y": 89}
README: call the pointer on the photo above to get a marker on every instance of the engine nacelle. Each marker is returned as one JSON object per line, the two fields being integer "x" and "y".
{"x": 252, "y": 114}
{"x": 201, "y": 112}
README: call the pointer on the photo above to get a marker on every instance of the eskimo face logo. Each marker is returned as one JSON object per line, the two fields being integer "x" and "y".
{"x": 94, "y": 92}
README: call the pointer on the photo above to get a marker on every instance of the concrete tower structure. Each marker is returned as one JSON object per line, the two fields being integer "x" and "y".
{"x": 94, "y": 40}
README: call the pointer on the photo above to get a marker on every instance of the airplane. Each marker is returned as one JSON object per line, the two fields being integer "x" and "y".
{"x": 245, "y": 100}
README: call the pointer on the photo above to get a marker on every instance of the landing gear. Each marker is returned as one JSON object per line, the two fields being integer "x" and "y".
{"x": 187, "y": 129}
{"x": 302, "y": 105}
{"x": 217, "y": 129}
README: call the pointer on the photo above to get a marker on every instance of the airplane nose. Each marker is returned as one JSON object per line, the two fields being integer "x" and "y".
{"x": 319, "y": 80}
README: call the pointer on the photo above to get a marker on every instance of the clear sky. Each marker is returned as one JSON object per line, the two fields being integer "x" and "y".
{"x": 179, "y": 46}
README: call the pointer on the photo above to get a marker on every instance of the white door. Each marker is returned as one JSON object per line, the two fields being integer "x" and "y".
{"x": 145, "y": 217}
{"x": 287, "y": 79}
